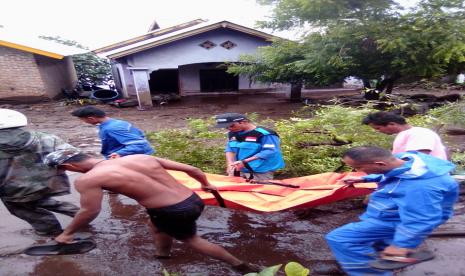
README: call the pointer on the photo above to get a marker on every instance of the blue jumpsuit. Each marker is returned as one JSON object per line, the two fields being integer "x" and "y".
{"x": 410, "y": 202}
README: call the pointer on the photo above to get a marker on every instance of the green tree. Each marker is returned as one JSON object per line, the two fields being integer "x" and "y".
{"x": 90, "y": 68}
{"x": 371, "y": 39}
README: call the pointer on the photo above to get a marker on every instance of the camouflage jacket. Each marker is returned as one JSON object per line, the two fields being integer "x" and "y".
{"x": 23, "y": 175}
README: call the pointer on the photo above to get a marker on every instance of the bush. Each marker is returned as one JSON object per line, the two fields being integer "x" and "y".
{"x": 315, "y": 145}
{"x": 312, "y": 142}
{"x": 195, "y": 145}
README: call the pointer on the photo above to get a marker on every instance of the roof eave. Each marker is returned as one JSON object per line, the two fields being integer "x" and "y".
{"x": 30, "y": 49}
{"x": 223, "y": 24}
{"x": 146, "y": 36}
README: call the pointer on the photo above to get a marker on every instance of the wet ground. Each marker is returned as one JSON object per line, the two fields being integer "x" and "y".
{"x": 122, "y": 230}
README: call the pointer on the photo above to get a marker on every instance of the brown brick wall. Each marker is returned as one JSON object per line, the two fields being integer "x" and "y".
{"x": 19, "y": 75}
{"x": 55, "y": 74}
{"x": 24, "y": 74}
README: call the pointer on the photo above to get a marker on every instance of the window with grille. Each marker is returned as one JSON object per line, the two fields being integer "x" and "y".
{"x": 207, "y": 44}
{"x": 228, "y": 45}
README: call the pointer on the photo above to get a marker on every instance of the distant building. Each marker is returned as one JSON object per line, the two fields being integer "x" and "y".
{"x": 185, "y": 59}
{"x": 34, "y": 68}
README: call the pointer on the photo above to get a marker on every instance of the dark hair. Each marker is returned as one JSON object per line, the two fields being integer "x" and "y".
{"x": 88, "y": 111}
{"x": 77, "y": 158}
{"x": 382, "y": 118}
{"x": 367, "y": 154}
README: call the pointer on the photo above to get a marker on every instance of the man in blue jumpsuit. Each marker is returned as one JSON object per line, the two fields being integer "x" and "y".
{"x": 253, "y": 151}
{"x": 415, "y": 195}
{"x": 119, "y": 138}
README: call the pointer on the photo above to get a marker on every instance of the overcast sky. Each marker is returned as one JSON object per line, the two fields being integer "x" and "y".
{"x": 96, "y": 23}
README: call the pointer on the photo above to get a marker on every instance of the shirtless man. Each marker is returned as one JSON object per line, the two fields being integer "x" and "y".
{"x": 173, "y": 208}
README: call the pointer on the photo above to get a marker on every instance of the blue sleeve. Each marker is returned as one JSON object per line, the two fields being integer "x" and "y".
{"x": 228, "y": 148}
{"x": 133, "y": 143}
{"x": 373, "y": 177}
{"x": 270, "y": 145}
{"x": 420, "y": 211}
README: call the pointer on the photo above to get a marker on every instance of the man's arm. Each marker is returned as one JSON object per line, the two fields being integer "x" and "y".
{"x": 230, "y": 159}
{"x": 91, "y": 201}
{"x": 269, "y": 145}
{"x": 192, "y": 171}
{"x": 420, "y": 211}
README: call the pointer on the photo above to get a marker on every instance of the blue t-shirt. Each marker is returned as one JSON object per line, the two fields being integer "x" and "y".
{"x": 121, "y": 137}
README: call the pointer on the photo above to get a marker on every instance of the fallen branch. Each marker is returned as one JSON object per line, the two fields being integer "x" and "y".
{"x": 333, "y": 143}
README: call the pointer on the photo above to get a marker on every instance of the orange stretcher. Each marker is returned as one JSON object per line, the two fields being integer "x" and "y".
{"x": 278, "y": 195}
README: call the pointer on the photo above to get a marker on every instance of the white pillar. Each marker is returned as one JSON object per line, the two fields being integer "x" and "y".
{"x": 141, "y": 83}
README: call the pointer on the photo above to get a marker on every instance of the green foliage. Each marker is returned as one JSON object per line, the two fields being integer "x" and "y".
{"x": 269, "y": 271}
{"x": 279, "y": 63}
{"x": 291, "y": 269}
{"x": 321, "y": 13}
{"x": 453, "y": 114}
{"x": 166, "y": 273}
{"x": 80, "y": 102}
{"x": 315, "y": 145}
{"x": 428, "y": 41}
{"x": 312, "y": 142}
{"x": 309, "y": 145}
{"x": 90, "y": 68}
{"x": 296, "y": 269}
{"x": 64, "y": 41}
{"x": 458, "y": 158}
{"x": 196, "y": 145}
{"x": 361, "y": 38}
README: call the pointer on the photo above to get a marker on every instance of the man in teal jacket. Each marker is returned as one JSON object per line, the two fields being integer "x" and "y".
{"x": 415, "y": 195}
{"x": 253, "y": 151}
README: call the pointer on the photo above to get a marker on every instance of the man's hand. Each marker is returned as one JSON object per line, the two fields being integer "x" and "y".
{"x": 65, "y": 238}
{"x": 209, "y": 188}
{"x": 114, "y": 155}
{"x": 353, "y": 180}
{"x": 396, "y": 251}
{"x": 230, "y": 170}
{"x": 237, "y": 165}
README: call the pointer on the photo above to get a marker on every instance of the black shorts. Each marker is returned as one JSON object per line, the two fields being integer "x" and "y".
{"x": 178, "y": 220}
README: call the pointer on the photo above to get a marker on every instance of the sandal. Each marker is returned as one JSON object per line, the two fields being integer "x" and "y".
{"x": 397, "y": 262}
{"x": 55, "y": 248}
{"x": 81, "y": 244}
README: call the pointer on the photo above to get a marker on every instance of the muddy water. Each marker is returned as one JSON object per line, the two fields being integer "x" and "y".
{"x": 125, "y": 245}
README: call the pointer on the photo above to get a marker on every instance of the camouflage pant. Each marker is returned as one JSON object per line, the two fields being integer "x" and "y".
{"x": 37, "y": 213}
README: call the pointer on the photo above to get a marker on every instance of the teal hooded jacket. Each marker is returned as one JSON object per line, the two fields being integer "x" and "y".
{"x": 414, "y": 198}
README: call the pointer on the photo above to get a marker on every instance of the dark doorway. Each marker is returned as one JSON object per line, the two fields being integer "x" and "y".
{"x": 217, "y": 80}
{"x": 164, "y": 81}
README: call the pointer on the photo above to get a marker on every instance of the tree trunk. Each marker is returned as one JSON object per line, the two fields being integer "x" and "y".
{"x": 369, "y": 92}
{"x": 296, "y": 92}
{"x": 388, "y": 82}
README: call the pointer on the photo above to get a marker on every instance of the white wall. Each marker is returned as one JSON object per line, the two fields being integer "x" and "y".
{"x": 187, "y": 56}
{"x": 188, "y": 51}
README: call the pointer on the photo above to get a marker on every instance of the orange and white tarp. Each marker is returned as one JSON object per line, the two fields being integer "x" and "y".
{"x": 307, "y": 191}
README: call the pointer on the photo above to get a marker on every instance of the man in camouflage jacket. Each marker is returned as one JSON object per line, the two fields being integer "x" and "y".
{"x": 26, "y": 184}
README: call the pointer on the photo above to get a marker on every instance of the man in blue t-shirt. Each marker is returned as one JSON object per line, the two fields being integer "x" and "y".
{"x": 119, "y": 138}
{"x": 252, "y": 151}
